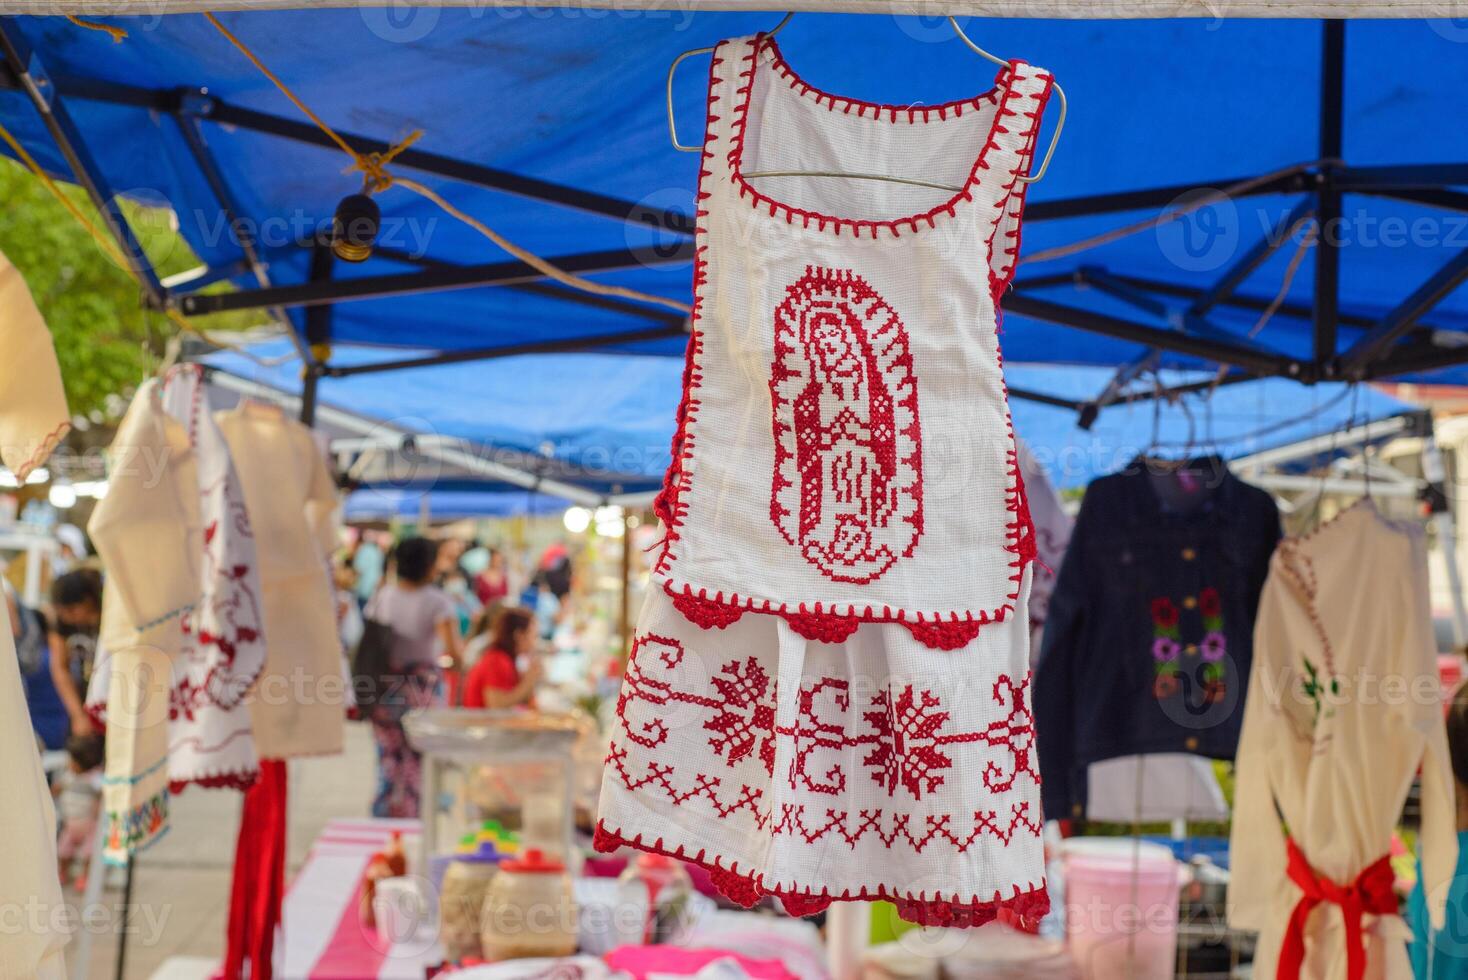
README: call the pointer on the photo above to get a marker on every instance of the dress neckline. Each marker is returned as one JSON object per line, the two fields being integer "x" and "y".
{"x": 763, "y": 53}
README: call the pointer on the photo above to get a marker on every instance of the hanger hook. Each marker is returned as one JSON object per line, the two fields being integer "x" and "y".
{"x": 673, "y": 69}
{"x": 1059, "y": 93}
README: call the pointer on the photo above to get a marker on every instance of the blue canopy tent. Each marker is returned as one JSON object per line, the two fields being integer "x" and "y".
{"x": 582, "y": 428}
{"x": 602, "y": 423}
{"x": 552, "y": 129}
{"x": 373, "y": 504}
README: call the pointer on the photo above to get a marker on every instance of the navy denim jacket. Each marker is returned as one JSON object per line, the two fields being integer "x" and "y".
{"x": 1149, "y": 639}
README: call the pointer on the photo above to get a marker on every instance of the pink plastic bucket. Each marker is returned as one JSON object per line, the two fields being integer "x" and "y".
{"x": 1121, "y": 901}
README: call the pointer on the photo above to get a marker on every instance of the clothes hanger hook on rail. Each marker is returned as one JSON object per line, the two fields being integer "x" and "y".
{"x": 1059, "y": 94}
{"x": 1030, "y": 179}
{"x": 673, "y": 69}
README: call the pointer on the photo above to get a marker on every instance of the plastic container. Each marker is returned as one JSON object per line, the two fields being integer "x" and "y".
{"x": 1121, "y": 908}
{"x": 653, "y": 896}
{"x": 461, "y": 901}
{"x": 530, "y": 910}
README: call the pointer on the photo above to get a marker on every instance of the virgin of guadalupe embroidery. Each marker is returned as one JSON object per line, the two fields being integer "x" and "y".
{"x": 848, "y": 478}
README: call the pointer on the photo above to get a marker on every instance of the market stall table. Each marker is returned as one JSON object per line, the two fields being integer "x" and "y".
{"x": 323, "y": 937}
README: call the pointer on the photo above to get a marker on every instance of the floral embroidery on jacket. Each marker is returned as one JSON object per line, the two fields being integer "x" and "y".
{"x": 1315, "y": 689}
{"x": 1168, "y": 648}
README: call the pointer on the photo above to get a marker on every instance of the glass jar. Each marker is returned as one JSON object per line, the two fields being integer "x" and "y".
{"x": 530, "y": 910}
{"x": 461, "y": 901}
{"x": 653, "y": 896}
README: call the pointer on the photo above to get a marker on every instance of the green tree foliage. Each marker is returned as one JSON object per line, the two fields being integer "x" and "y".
{"x": 105, "y": 340}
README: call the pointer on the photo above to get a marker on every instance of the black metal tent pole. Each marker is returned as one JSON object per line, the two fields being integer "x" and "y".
{"x": 443, "y": 277}
{"x": 1328, "y": 195}
{"x": 318, "y": 332}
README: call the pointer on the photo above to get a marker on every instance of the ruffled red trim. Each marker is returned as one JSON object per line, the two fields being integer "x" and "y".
{"x": 718, "y": 612}
{"x": 223, "y": 780}
{"x": 43, "y": 451}
{"x": 1025, "y": 908}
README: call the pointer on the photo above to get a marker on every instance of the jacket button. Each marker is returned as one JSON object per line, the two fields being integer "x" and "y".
{"x": 1191, "y": 744}
{"x": 1189, "y": 554}
{"x": 1190, "y": 602}
{"x": 1191, "y": 649}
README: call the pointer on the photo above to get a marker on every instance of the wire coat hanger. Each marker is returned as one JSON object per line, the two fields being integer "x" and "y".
{"x": 969, "y": 42}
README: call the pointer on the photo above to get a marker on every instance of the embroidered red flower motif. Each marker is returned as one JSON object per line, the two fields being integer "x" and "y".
{"x": 1164, "y": 685}
{"x": 907, "y": 732}
{"x": 1214, "y": 691}
{"x": 1208, "y": 602}
{"x": 1164, "y": 613}
{"x": 746, "y": 717}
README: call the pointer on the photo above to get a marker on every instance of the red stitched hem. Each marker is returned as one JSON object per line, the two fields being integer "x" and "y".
{"x": 1005, "y": 83}
{"x": 221, "y": 780}
{"x": 43, "y": 451}
{"x": 1028, "y": 907}
{"x": 814, "y": 622}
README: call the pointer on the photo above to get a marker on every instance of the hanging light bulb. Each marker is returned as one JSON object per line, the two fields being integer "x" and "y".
{"x": 354, "y": 228}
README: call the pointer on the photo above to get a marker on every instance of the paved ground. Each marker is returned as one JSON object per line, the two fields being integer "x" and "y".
{"x": 181, "y": 884}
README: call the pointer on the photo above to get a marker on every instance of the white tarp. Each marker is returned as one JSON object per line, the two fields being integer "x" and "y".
{"x": 1100, "y": 9}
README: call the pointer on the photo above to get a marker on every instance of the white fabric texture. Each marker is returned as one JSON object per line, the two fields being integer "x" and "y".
{"x": 298, "y": 706}
{"x": 845, "y": 450}
{"x": 27, "y": 833}
{"x": 1343, "y": 707}
{"x": 33, "y": 414}
{"x": 812, "y": 771}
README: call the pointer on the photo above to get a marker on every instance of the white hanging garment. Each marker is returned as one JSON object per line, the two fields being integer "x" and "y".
{"x": 828, "y": 696}
{"x": 223, "y": 649}
{"x": 147, "y": 533}
{"x": 844, "y": 451}
{"x": 1343, "y": 708}
{"x": 28, "y": 877}
{"x": 1052, "y": 535}
{"x": 33, "y": 414}
{"x": 298, "y": 705}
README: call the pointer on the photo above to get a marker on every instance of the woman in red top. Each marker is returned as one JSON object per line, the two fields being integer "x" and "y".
{"x": 495, "y": 681}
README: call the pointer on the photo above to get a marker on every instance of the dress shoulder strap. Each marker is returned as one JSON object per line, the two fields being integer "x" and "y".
{"x": 1026, "y": 90}
{"x": 731, "y": 73}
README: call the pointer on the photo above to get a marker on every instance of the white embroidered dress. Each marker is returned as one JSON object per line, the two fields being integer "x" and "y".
{"x": 828, "y": 693}
{"x": 1343, "y": 708}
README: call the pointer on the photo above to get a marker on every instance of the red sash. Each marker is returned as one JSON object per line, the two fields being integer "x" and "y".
{"x": 1371, "y": 893}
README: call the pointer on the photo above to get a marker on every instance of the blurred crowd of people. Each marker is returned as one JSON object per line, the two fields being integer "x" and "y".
{"x": 463, "y": 633}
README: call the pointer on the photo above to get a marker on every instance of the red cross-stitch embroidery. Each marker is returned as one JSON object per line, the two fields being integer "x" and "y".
{"x": 813, "y": 732}
{"x": 847, "y": 485}
{"x": 1015, "y": 732}
{"x": 746, "y": 716}
{"x": 907, "y": 742}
